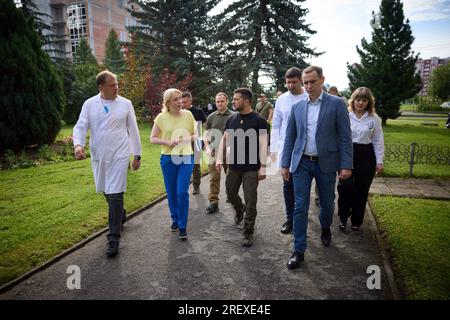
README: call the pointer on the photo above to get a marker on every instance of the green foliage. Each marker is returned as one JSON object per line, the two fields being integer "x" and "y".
{"x": 84, "y": 85}
{"x": 114, "y": 60}
{"x": 440, "y": 82}
{"x": 174, "y": 35}
{"x": 31, "y": 94}
{"x": 387, "y": 63}
{"x": 257, "y": 35}
{"x": 429, "y": 104}
{"x": 83, "y": 54}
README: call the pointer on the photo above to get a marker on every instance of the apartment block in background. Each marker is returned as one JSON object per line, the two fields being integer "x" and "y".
{"x": 91, "y": 19}
{"x": 424, "y": 67}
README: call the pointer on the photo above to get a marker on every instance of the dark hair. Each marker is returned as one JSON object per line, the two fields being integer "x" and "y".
{"x": 293, "y": 73}
{"x": 103, "y": 76}
{"x": 246, "y": 93}
{"x": 314, "y": 68}
{"x": 186, "y": 94}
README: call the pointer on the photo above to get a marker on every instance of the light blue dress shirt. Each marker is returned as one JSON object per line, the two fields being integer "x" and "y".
{"x": 313, "y": 109}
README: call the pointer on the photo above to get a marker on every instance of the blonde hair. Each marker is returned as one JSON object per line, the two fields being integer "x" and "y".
{"x": 167, "y": 98}
{"x": 363, "y": 93}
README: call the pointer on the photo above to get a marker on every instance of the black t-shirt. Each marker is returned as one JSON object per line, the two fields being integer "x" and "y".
{"x": 243, "y": 139}
{"x": 198, "y": 114}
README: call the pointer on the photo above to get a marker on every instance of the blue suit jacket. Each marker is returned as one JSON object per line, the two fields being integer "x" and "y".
{"x": 333, "y": 136}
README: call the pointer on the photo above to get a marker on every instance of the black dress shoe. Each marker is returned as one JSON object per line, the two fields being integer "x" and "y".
{"x": 286, "y": 228}
{"x": 326, "y": 237}
{"x": 295, "y": 260}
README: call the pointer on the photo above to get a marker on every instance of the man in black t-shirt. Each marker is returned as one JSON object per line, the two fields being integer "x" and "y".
{"x": 199, "y": 116}
{"x": 245, "y": 139}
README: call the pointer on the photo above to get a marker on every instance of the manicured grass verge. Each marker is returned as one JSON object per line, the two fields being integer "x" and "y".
{"x": 45, "y": 210}
{"x": 417, "y": 232}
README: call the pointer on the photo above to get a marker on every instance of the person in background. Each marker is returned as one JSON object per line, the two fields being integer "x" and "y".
{"x": 200, "y": 118}
{"x": 368, "y": 154}
{"x": 214, "y": 129}
{"x": 283, "y": 108}
{"x": 114, "y": 135}
{"x": 175, "y": 130}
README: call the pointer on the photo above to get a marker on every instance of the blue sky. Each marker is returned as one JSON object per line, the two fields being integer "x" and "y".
{"x": 341, "y": 24}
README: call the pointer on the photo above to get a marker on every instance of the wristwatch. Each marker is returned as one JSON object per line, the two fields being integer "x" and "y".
{"x": 137, "y": 157}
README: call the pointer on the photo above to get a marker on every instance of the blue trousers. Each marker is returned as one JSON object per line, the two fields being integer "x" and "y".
{"x": 307, "y": 170}
{"x": 177, "y": 171}
{"x": 289, "y": 199}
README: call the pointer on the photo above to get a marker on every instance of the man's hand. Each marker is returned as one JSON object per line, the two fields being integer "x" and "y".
{"x": 135, "y": 165}
{"x": 79, "y": 152}
{"x": 345, "y": 174}
{"x": 285, "y": 174}
{"x": 379, "y": 169}
{"x": 261, "y": 174}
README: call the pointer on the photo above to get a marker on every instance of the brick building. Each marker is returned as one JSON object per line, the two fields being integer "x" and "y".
{"x": 424, "y": 68}
{"x": 93, "y": 19}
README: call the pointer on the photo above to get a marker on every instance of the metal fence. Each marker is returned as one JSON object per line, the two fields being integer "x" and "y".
{"x": 417, "y": 154}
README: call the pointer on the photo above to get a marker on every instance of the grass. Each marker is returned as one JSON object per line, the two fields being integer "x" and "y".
{"x": 408, "y": 131}
{"x": 45, "y": 210}
{"x": 418, "y": 234}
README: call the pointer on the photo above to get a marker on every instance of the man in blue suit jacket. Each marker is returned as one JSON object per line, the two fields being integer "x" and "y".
{"x": 318, "y": 143}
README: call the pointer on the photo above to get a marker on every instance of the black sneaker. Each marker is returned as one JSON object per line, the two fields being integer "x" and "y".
{"x": 182, "y": 234}
{"x": 174, "y": 227}
{"x": 248, "y": 240}
{"x": 212, "y": 208}
{"x": 112, "y": 249}
{"x": 239, "y": 216}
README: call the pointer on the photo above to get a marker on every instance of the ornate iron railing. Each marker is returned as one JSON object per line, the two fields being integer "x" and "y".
{"x": 417, "y": 154}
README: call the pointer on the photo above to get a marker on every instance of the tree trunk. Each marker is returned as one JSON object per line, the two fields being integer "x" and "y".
{"x": 383, "y": 121}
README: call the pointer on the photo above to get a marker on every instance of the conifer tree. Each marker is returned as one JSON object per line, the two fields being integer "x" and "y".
{"x": 266, "y": 35}
{"x": 114, "y": 59}
{"x": 387, "y": 63}
{"x": 31, "y": 94}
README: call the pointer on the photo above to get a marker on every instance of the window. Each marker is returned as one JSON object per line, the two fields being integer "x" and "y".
{"x": 121, "y": 3}
{"x": 76, "y": 23}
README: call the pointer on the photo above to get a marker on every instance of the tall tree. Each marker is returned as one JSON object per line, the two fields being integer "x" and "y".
{"x": 114, "y": 59}
{"x": 32, "y": 98}
{"x": 440, "y": 82}
{"x": 173, "y": 34}
{"x": 267, "y": 35}
{"x": 387, "y": 63}
{"x": 84, "y": 86}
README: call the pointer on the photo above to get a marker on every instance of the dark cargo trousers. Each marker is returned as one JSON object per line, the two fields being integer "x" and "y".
{"x": 249, "y": 181}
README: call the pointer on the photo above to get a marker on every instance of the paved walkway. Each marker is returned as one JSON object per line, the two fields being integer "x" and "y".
{"x": 154, "y": 264}
{"x": 420, "y": 188}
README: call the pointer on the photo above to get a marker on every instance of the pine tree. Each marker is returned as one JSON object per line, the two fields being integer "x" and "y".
{"x": 266, "y": 35}
{"x": 173, "y": 34}
{"x": 387, "y": 63}
{"x": 84, "y": 70}
{"x": 114, "y": 59}
{"x": 31, "y": 95}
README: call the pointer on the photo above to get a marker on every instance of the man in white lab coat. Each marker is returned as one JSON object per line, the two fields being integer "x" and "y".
{"x": 114, "y": 136}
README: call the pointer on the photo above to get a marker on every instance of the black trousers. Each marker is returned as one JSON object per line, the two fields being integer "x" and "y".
{"x": 116, "y": 214}
{"x": 354, "y": 191}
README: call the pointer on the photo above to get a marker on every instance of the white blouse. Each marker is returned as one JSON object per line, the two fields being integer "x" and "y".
{"x": 368, "y": 130}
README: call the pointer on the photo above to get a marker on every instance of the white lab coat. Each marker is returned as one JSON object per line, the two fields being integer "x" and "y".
{"x": 114, "y": 136}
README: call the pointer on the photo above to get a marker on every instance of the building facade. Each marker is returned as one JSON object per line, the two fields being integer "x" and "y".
{"x": 73, "y": 20}
{"x": 424, "y": 67}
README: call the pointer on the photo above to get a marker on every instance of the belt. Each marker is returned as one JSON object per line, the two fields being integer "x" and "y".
{"x": 310, "y": 158}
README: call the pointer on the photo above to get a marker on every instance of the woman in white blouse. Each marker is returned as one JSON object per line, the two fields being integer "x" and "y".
{"x": 368, "y": 154}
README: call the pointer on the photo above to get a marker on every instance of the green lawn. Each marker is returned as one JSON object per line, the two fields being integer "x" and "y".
{"x": 418, "y": 235}
{"x": 408, "y": 131}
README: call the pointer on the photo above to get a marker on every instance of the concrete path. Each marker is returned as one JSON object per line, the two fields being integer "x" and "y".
{"x": 154, "y": 264}
{"x": 414, "y": 188}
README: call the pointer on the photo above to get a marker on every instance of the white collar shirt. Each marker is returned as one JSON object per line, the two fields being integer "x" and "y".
{"x": 312, "y": 117}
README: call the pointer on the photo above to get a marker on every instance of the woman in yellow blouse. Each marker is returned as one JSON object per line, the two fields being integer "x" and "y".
{"x": 175, "y": 129}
